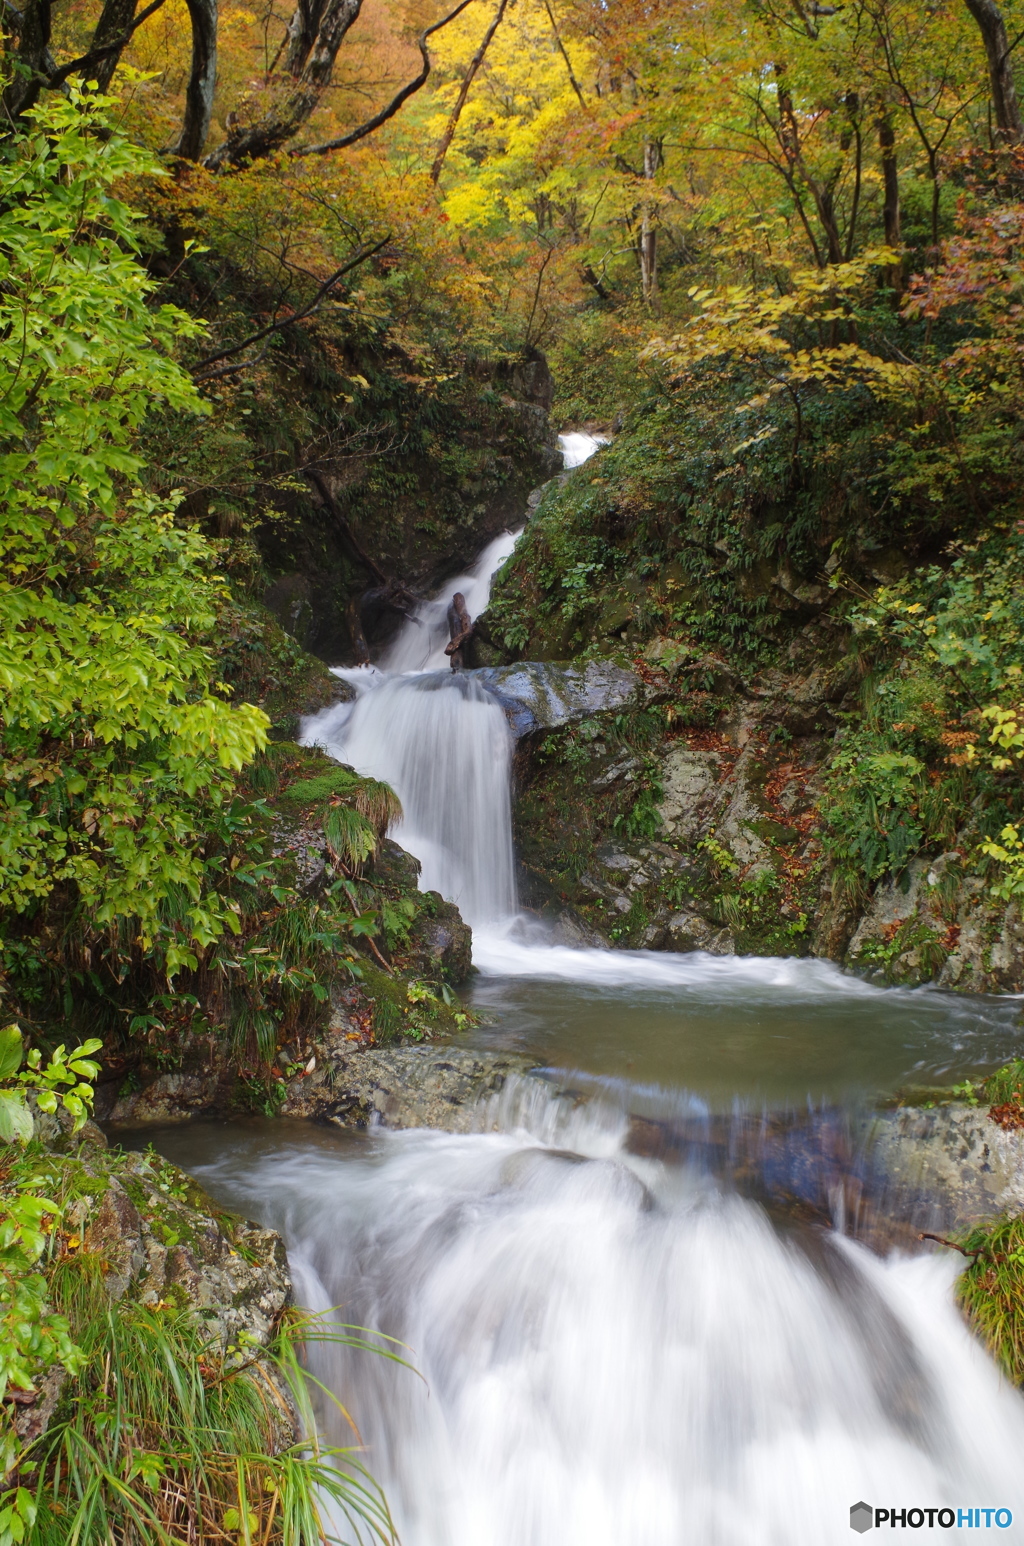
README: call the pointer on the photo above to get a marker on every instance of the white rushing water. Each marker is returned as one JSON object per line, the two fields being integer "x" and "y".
{"x": 442, "y": 743}
{"x": 618, "y": 1353}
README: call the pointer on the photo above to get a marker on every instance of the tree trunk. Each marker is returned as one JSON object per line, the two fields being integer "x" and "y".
{"x": 302, "y": 31}
{"x": 647, "y": 244}
{"x": 890, "y": 182}
{"x": 115, "y": 20}
{"x": 202, "y": 80}
{"x": 32, "y": 54}
{"x": 787, "y": 133}
{"x": 284, "y": 121}
{"x": 467, "y": 81}
{"x": 1009, "y": 128}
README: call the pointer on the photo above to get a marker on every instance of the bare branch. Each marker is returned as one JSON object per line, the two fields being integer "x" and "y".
{"x": 396, "y": 102}
{"x": 299, "y": 316}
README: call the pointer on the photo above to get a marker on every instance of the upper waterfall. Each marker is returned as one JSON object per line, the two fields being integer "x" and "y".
{"x": 441, "y": 742}
{"x": 444, "y": 746}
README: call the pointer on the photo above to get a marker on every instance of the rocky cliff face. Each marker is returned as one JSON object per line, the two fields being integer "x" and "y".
{"x": 637, "y": 828}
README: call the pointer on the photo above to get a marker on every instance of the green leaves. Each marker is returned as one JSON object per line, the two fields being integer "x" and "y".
{"x": 117, "y": 743}
{"x": 12, "y": 1051}
{"x": 15, "y": 1118}
{"x": 66, "y": 1080}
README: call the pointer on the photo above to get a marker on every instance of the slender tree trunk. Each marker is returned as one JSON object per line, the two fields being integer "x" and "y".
{"x": 890, "y": 182}
{"x": 115, "y": 20}
{"x": 565, "y": 57}
{"x": 1009, "y": 127}
{"x": 467, "y": 81}
{"x": 893, "y": 275}
{"x": 788, "y": 135}
{"x": 647, "y": 242}
{"x": 202, "y": 79}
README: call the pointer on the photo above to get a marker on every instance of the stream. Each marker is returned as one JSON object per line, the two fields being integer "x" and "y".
{"x": 666, "y": 1314}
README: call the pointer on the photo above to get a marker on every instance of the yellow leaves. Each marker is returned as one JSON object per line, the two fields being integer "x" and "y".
{"x": 803, "y": 337}
{"x": 473, "y": 206}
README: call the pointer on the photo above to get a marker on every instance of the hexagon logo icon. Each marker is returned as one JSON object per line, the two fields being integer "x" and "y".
{"x": 862, "y": 1517}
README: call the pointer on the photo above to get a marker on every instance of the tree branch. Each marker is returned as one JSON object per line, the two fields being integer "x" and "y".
{"x": 84, "y": 61}
{"x": 299, "y": 316}
{"x": 396, "y": 102}
{"x": 561, "y": 49}
{"x": 467, "y": 81}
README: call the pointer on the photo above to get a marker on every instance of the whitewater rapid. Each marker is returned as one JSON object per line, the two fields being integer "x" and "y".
{"x": 621, "y": 1352}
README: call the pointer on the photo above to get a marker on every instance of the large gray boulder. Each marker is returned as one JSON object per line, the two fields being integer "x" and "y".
{"x": 541, "y": 695}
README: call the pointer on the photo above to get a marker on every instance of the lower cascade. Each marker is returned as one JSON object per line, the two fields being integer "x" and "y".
{"x": 614, "y": 1350}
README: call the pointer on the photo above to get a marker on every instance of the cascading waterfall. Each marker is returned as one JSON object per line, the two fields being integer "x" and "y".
{"x": 615, "y": 1350}
{"x": 442, "y": 743}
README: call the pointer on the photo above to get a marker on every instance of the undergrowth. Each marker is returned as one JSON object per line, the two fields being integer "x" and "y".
{"x": 164, "y": 1438}
{"x": 991, "y": 1290}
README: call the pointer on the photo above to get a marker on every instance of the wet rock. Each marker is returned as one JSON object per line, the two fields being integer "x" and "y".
{"x": 300, "y": 844}
{"x": 32, "y": 1417}
{"x": 232, "y": 1273}
{"x": 437, "y": 1087}
{"x": 691, "y": 782}
{"x": 892, "y": 904}
{"x": 529, "y": 378}
{"x": 689, "y": 931}
{"x": 568, "y": 928}
{"x": 443, "y": 943}
{"x": 169, "y": 1098}
{"x": 956, "y": 1155}
{"x": 951, "y": 930}
{"x": 159, "y": 1239}
{"x": 543, "y": 696}
{"x": 394, "y": 867}
{"x": 114, "y": 1234}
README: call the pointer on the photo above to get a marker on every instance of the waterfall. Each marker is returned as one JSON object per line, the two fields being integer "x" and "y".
{"x": 619, "y": 1352}
{"x": 444, "y": 746}
{"x": 441, "y": 742}
{"x": 420, "y": 644}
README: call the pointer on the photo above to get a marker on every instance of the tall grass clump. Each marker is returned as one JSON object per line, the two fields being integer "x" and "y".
{"x": 164, "y": 1439}
{"x": 991, "y": 1291}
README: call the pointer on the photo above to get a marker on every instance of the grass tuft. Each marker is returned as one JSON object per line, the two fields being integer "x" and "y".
{"x": 164, "y": 1439}
{"x": 991, "y": 1290}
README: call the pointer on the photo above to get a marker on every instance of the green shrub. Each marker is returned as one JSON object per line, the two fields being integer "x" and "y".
{"x": 117, "y": 743}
